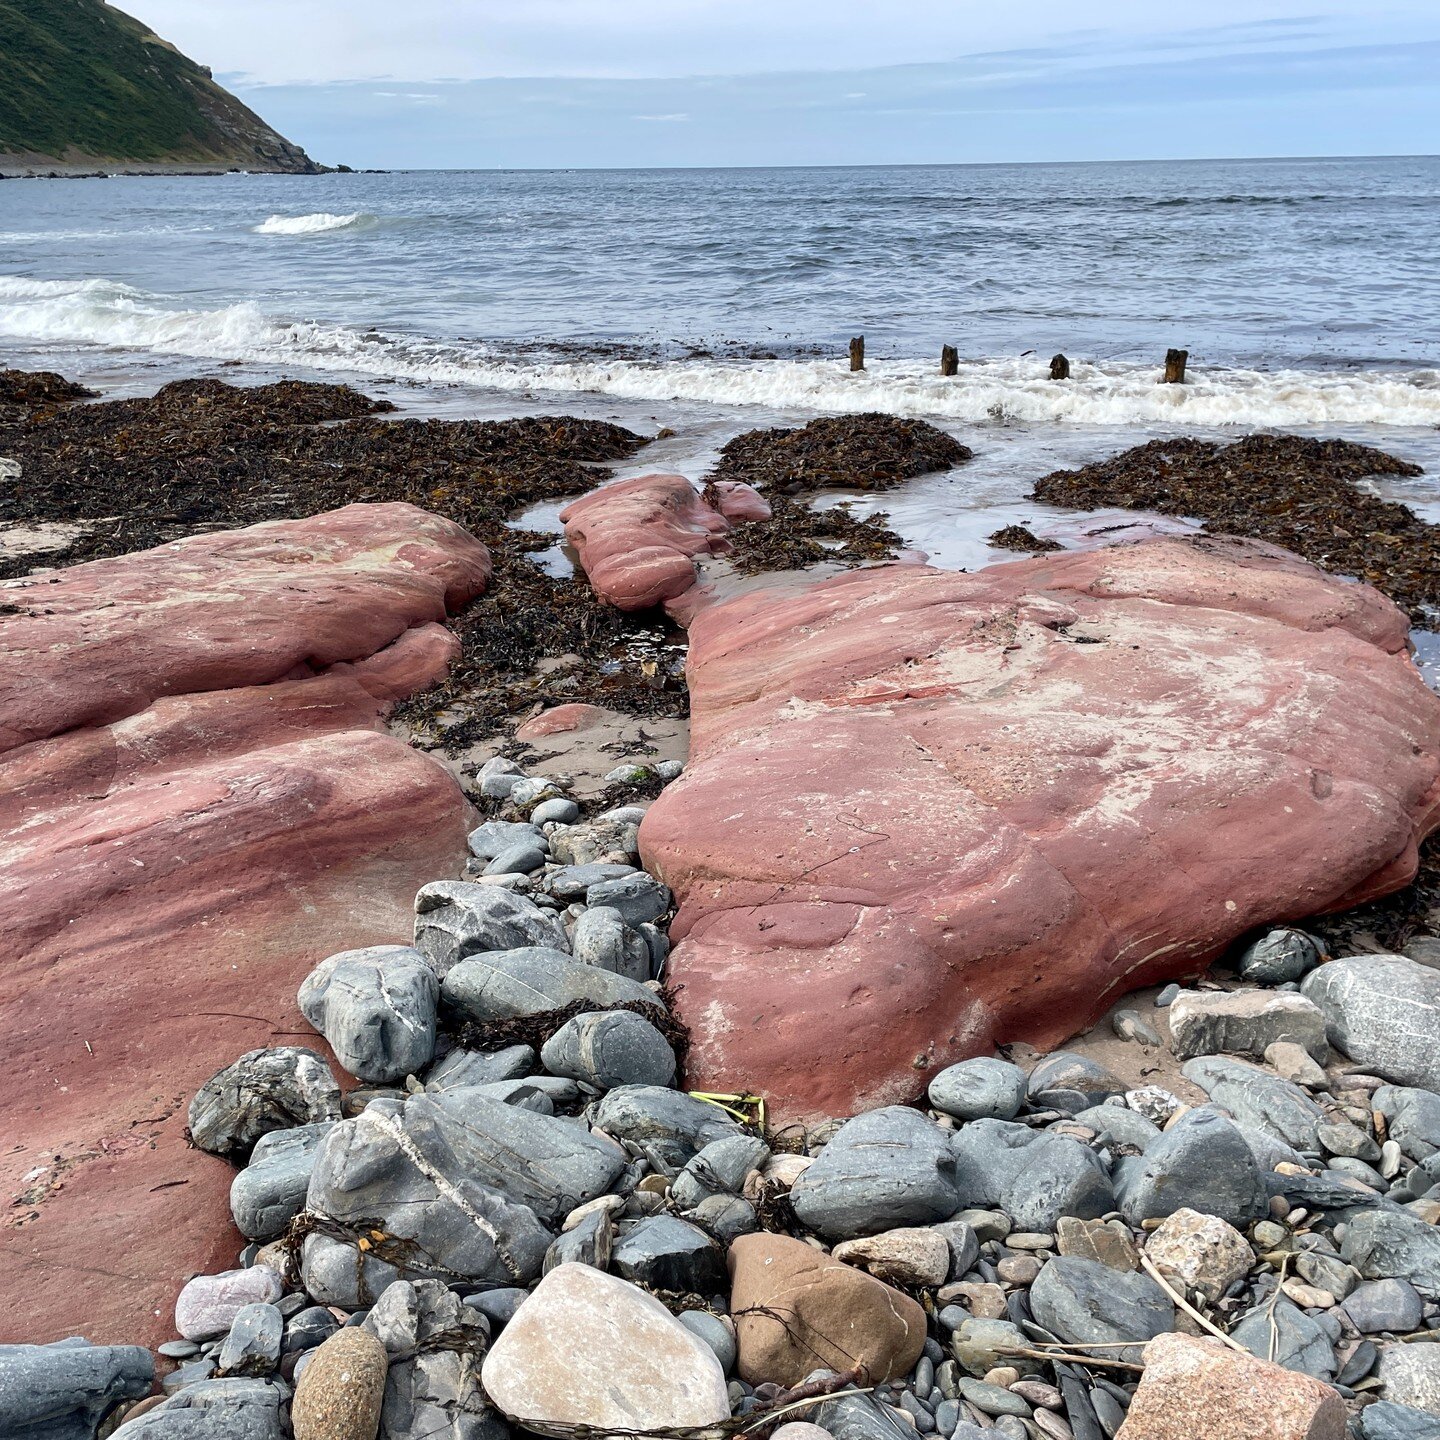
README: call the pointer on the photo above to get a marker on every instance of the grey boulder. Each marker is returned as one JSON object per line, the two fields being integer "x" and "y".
{"x": 640, "y": 898}
{"x": 270, "y": 1191}
{"x": 1034, "y": 1176}
{"x": 719, "y": 1169}
{"x": 1118, "y": 1125}
{"x": 1296, "y": 1340}
{"x": 1381, "y": 1305}
{"x": 63, "y": 1391}
{"x": 435, "y": 1343}
{"x": 1244, "y": 1022}
{"x": 664, "y": 1253}
{"x": 608, "y": 1048}
{"x": 1069, "y": 1082}
{"x": 572, "y": 882}
{"x": 210, "y": 1409}
{"x": 666, "y": 1126}
{"x": 253, "y": 1345}
{"x": 1201, "y": 1163}
{"x": 262, "y": 1091}
{"x": 1410, "y": 1375}
{"x": 1412, "y": 1118}
{"x": 461, "y": 1068}
{"x": 603, "y": 939}
{"x": 1385, "y": 1243}
{"x": 1383, "y": 1011}
{"x": 1385, "y": 1420}
{"x": 504, "y": 984}
{"x": 376, "y": 1007}
{"x": 1259, "y": 1099}
{"x": 1277, "y": 958}
{"x": 979, "y": 1089}
{"x": 882, "y": 1170}
{"x": 494, "y": 837}
{"x": 1087, "y": 1303}
{"x": 455, "y": 919}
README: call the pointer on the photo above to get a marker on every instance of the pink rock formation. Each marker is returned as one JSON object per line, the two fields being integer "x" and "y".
{"x": 174, "y": 863}
{"x": 638, "y": 539}
{"x": 926, "y": 811}
{"x": 562, "y": 720}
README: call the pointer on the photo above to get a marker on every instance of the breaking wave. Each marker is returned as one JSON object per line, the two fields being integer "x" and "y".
{"x": 106, "y": 314}
{"x": 319, "y": 224}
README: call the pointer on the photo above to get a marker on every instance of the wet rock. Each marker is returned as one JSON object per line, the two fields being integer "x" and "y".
{"x": 1296, "y": 1340}
{"x": 1258, "y": 1099}
{"x": 1383, "y": 1011}
{"x": 1201, "y": 1390}
{"x": 1087, "y": 1303}
{"x": 455, "y": 920}
{"x": 1199, "y": 1252}
{"x": 270, "y": 1191}
{"x": 1034, "y": 1176}
{"x": 883, "y": 1169}
{"x": 341, "y": 1391}
{"x": 914, "y": 1258}
{"x": 979, "y": 1089}
{"x": 209, "y": 1409}
{"x": 1385, "y": 1305}
{"x": 556, "y": 811}
{"x": 589, "y": 1349}
{"x": 63, "y": 1391}
{"x": 1278, "y": 958}
{"x": 376, "y": 1007}
{"x": 610, "y": 1048}
{"x": 308, "y": 1328}
{"x": 664, "y": 1253}
{"x": 666, "y": 1125}
{"x": 507, "y": 983}
{"x": 262, "y": 1091}
{"x": 1202, "y": 1162}
{"x": 602, "y": 938}
{"x": 1244, "y": 1022}
{"x": 797, "y": 1309}
{"x": 208, "y": 1304}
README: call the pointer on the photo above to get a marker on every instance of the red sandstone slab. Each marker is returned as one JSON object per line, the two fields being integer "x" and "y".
{"x": 169, "y": 877}
{"x": 638, "y": 539}
{"x": 926, "y": 811}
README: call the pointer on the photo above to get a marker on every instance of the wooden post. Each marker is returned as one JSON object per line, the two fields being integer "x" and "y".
{"x": 1175, "y": 362}
{"x": 949, "y": 360}
{"x": 857, "y": 353}
{"x": 1059, "y": 368}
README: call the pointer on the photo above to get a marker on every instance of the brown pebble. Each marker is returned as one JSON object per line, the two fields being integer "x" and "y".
{"x": 341, "y": 1389}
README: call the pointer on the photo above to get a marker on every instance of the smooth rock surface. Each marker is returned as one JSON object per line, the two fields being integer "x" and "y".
{"x": 1201, "y": 1162}
{"x": 1002, "y": 763}
{"x": 208, "y": 1304}
{"x": 1087, "y": 1303}
{"x": 590, "y": 1349}
{"x": 1202, "y": 1390}
{"x": 198, "y": 801}
{"x": 63, "y": 1391}
{"x": 979, "y": 1089}
{"x": 1383, "y": 1011}
{"x": 506, "y": 983}
{"x": 796, "y": 1310}
{"x": 610, "y": 1048}
{"x": 270, "y": 1191}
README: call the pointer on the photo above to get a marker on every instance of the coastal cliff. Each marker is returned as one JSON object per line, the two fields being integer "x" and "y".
{"x": 85, "y": 87}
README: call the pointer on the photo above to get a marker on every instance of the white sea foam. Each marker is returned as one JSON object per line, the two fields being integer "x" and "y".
{"x": 319, "y": 224}
{"x": 104, "y": 313}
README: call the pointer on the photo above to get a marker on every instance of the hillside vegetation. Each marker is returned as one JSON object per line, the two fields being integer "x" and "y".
{"x": 80, "y": 81}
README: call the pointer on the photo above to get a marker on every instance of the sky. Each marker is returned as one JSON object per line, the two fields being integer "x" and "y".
{"x": 580, "y": 83}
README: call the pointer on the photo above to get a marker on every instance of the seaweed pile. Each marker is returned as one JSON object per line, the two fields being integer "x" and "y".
{"x": 852, "y": 452}
{"x": 1292, "y": 491}
{"x": 25, "y": 390}
{"x": 796, "y": 536}
{"x": 201, "y": 454}
{"x": 1018, "y": 537}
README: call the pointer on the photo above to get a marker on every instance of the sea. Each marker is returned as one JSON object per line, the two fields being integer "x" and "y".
{"x": 708, "y": 302}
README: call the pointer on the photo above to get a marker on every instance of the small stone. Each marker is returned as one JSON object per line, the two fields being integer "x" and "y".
{"x": 992, "y": 1400}
{"x": 602, "y": 938}
{"x": 610, "y": 1048}
{"x": 1069, "y": 1082}
{"x": 1307, "y": 1297}
{"x": 1278, "y": 958}
{"x": 497, "y": 777}
{"x": 1294, "y": 1063}
{"x": 640, "y": 898}
{"x": 1385, "y": 1306}
{"x": 1128, "y": 1025}
{"x": 1018, "y": 1269}
{"x": 340, "y": 1392}
{"x": 1166, "y": 998}
{"x": 980, "y": 1345}
{"x": 558, "y": 811}
{"x": 208, "y": 1304}
{"x": 1107, "y": 1241}
{"x": 516, "y": 860}
{"x": 1348, "y": 1140}
{"x": 717, "y": 1333}
{"x": 912, "y": 1258}
{"x": 253, "y": 1345}
{"x": 1199, "y": 1252}
{"x": 270, "y": 1192}
{"x": 178, "y": 1349}
{"x": 985, "y": 1301}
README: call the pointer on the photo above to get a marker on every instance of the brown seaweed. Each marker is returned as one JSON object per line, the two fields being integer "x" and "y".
{"x": 1018, "y": 537}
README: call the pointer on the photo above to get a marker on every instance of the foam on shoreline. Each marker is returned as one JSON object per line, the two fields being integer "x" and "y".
{"x": 107, "y": 314}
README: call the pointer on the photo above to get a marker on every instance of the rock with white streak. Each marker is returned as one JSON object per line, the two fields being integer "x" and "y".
{"x": 1383, "y": 1011}
{"x": 455, "y": 920}
{"x": 1244, "y": 1022}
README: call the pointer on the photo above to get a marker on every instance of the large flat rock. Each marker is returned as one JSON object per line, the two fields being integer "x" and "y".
{"x": 198, "y": 802}
{"x": 926, "y": 812}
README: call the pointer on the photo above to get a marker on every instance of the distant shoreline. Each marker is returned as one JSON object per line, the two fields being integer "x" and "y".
{"x": 16, "y": 166}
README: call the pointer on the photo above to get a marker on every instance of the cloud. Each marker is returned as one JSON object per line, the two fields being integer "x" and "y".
{"x": 674, "y": 119}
